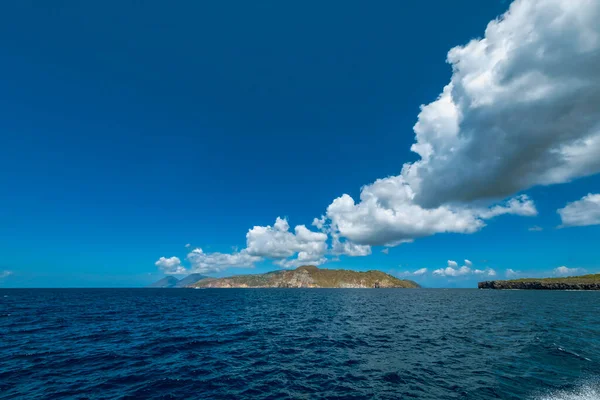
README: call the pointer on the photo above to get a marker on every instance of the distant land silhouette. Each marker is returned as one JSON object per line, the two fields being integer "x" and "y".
{"x": 307, "y": 276}
{"x": 583, "y": 282}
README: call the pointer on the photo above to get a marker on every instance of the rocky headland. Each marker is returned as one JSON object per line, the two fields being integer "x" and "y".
{"x": 584, "y": 282}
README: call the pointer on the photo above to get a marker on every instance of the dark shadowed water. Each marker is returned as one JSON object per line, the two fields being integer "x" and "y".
{"x": 299, "y": 343}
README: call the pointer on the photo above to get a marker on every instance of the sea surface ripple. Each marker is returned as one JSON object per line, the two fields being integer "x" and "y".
{"x": 298, "y": 343}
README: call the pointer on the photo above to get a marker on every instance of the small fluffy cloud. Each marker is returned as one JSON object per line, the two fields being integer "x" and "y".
{"x": 386, "y": 250}
{"x": 511, "y": 273}
{"x": 583, "y": 212}
{"x": 520, "y": 205}
{"x": 277, "y": 242}
{"x": 564, "y": 271}
{"x": 449, "y": 271}
{"x": 418, "y": 272}
{"x": 485, "y": 272}
{"x": 187, "y": 246}
{"x": 286, "y": 248}
{"x": 202, "y": 262}
{"x": 5, "y": 273}
{"x": 536, "y": 228}
{"x": 452, "y": 270}
{"x": 170, "y": 266}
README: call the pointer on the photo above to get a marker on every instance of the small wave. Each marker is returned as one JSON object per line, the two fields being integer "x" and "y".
{"x": 571, "y": 353}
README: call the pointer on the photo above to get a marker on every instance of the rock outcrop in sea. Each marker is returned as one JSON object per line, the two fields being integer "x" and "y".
{"x": 584, "y": 282}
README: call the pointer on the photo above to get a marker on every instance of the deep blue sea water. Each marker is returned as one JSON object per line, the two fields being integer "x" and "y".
{"x": 298, "y": 343}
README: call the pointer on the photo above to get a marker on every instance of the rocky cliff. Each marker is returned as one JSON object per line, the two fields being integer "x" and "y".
{"x": 309, "y": 277}
{"x": 584, "y": 282}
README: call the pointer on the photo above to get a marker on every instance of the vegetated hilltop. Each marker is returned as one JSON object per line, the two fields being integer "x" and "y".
{"x": 309, "y": 276}
{"x": 583, "y": 282}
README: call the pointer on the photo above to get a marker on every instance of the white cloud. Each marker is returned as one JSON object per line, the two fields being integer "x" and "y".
{"x": 535, "y": 228}
{"x": 386, "y": 250}
{"x": 583, "y": 212}
{"x": 449, "y": 271}
{"x": 188, "y": 246}
{"x": 202, "y": 262}
{"x": 387, "y": 215}
{"x": 341, "y": 247}
{"x": 418, "y": 272}
{"x": 452, "y": 270}
{"x": 511, "y": 273}
{"x": 520, "y": 110}
{"x": 485, "y": 272}
{"x": 170, "y": 266}
{"x": 287, "y": 249}
{"x": 521, "y": 205}
{"x": 347, "y": 247}
{"x": 564, "y": 271}
{"x": 5, "y": 273}
{"x": 277, "y": 242}
{"x": 303, "y": 258}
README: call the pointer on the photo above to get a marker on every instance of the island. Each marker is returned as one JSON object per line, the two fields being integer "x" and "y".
{"x": 583, "y": 282}
{"x": 309, "y": 276}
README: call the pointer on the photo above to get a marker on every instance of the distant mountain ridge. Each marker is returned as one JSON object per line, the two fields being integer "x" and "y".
{"x": 190, "y": 280}
{"x": 166, "y": 282}
{"x": 309, "y": 276}
{"x": 172, "y": 282}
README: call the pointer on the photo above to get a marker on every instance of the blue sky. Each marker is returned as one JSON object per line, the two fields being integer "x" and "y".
{"x": 130, "y": 129}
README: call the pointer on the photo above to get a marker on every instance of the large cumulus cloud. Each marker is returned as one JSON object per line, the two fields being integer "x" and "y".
{"x": 521, "y": 109}
{"x": 388, "y": 215}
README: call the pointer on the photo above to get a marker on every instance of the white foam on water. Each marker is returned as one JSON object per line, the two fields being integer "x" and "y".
{"x": 586, "y": 392}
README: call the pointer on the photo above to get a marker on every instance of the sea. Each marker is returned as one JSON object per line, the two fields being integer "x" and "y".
{"x": 299, "y": 344}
